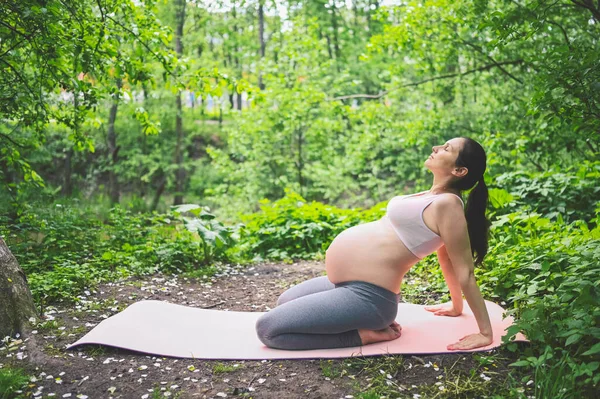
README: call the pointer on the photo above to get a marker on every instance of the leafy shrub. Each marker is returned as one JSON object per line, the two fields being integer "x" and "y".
{"x": 570, "y": 194}
{"x": 549, "y": 273}
{"x": 45, "y": 236}
{"x": 11, "y": 380}
{"x": 291, "y": 228}
{"x": 215, "y": 237}
{"x": 64, "y": 250}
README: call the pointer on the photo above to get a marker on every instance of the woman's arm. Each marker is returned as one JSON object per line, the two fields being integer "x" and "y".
{"x": 452, "y": 226}
{"x": 453, "y": 286}
{"x": 451, "y": 280}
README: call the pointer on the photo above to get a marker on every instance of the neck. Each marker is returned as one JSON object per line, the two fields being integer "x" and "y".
{"x": 441, "y": 186}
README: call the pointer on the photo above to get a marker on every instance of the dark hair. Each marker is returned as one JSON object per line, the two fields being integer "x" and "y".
{"x": 472, "y": 156}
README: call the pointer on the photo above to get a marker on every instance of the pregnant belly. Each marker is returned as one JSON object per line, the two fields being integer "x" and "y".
{"x": 369, "y": 252}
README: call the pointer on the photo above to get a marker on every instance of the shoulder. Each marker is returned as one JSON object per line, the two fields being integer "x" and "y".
{"x": 449, "y": 202}
{"x": 449, "y": 211}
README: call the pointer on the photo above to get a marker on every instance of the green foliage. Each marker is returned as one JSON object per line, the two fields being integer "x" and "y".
{"x": 64, "y": 251}
{"x": 292, "y": 228}
{"x": 11, "y": 380}
{"x": 569, "y": 194}
{"x": 549, "y": 272}
{"x": 555, "y": 374}
{"x": 220, "y": 368}
{"x": 215, "y": 237}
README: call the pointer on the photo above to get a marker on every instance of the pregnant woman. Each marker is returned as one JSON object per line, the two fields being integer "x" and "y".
{"x": 357, "y": 301}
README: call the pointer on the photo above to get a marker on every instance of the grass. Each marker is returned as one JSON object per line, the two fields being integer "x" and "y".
{"x": 78, "y": 330}
{"x": 51, "y": 350}
{"x": 555, "y": 379}
{"x": 329, "y": 369}
{"x": 95, "y": 351}
{"x": 48, "y": 326}
{"x": 219, "y": 368}
{"x": 161, "y": 393}
{"x": 383, "y": 377}
{"x": 207, "y": 271}
{"x": 472, "y": 384}
{"x": 11, "y": 380}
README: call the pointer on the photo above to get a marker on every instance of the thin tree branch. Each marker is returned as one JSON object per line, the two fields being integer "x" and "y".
{"x": 564, "y": 32}
{"x": 101, "y": 34}
{"x": 73, "y": 13}
{"x": 19, "y": 76}
{"x": 6, "y": 137}
{"x": 12, "y": 48}
{"x": 12, "y": 28}
{"x": 479, "y": 50}
{"x": 452, "y": 75}
{"x": 143, "y": 43}
{"x": 589, "y": 6}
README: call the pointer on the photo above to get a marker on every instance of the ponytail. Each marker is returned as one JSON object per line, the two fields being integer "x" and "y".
{"x": 477, "y": 223}
{"x": 472, "y": 156}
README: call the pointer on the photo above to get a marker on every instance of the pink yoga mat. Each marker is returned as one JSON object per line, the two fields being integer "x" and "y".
{"x": 166, "y": 329}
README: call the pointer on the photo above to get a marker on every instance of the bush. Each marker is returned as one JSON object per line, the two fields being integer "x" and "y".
{"x": 549, "y": 272}
{"x": 570, "y": 194}
{"x": 11, "y": 380}
{"x": 291, "y": 228}
{"x": 64, "y": 250}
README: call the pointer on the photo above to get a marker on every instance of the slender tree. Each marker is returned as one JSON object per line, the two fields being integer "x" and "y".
{"x": 113, "y": 148}
{"x": 180, "y": 172}
{"x": 261, "y": 39}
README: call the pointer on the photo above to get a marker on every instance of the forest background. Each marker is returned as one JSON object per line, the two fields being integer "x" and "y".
{"x": 286, "y": 122}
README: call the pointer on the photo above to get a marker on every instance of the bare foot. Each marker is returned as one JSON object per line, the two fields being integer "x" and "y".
{"x": 386, "y": 334}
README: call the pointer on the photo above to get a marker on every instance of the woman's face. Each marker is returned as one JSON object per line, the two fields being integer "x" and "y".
{"x": 443, "y": 157}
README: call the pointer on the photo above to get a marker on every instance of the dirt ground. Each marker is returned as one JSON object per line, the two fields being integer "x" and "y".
{"x": 100, "y": 372}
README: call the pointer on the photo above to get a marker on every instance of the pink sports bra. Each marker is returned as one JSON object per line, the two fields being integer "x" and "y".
{"x": 405, "y": 213}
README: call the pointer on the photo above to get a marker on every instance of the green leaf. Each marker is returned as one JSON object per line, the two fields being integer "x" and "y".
{"x": 593, "y": 350}
{"x": 193, "y": 208}
{"x": 572, "y": 339}
{"x": 520, "y": 363}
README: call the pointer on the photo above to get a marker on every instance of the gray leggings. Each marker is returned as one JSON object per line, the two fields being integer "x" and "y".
{"x": 317, "y": 314}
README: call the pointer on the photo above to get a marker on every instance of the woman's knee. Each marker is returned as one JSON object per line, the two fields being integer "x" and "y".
{"x": 283, "y": 298}
{"x": 264, "y": 329}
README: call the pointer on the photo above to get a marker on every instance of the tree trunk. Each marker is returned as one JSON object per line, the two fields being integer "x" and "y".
{"x": 261, "y": 38}
{"x": 300, "y": 162}
{"x": 113, "y": 150}
{"x": 144, "y": 144}
{"x": 16, "y": 302}
{"x": 161, "y": 187}
{"x": 180, "y": 173}
{"x": 329, "y": 47}
{"x": 238, "y": 69}
{"x": 336, "y": 40}
{"x": 369, "y": 20}
{"x": 67, "y": 188}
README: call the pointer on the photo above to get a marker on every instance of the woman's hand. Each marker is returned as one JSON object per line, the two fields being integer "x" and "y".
{"x": 471, "y": 342}
{"x": 445, "y": 309}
